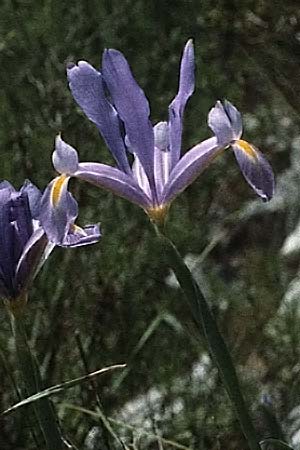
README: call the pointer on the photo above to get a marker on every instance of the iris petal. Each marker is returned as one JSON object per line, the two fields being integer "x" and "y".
{"x": 220, "y": 122}
{"x": 77, "y": 236}
{"x": 140, "y": 176}
{"x": 58, "y": 209}
{"x": 30, "y": 259}
{"x": 235, "y": 118}
{"x": 34, "y": 197}
{"x": 132, "y": 106}
{"x": 162, "y": 166}
{"x": 21, "y": 220}
{"x": 176, "y": 108}
{"x": 189, "y": 167}
{"x": 114, "y": 180}
{"x": 87, "y": 87}
{"x": 255, "y": 168}
{"x": 65, "y": 157}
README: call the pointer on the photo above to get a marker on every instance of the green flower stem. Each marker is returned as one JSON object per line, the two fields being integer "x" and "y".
{"x": 32, "y": 381}
{"x": 216, "y": 344}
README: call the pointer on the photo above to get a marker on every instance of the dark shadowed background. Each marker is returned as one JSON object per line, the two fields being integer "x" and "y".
{"x": 118, "y": 296}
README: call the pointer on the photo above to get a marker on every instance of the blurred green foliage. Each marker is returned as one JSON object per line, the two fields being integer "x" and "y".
{"x": 115, "y": 294}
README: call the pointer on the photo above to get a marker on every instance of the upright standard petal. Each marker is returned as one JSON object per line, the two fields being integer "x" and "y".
{"x": 113, "y": 180}
{"x": 6, "y": 185}
{"x": 189, "y": 167}
{"x": 87, "y": 87}
{"x": 34, "y": 197}
{"x": 162, "y": 156}
{"x": 132, "y": 106}
{"x": 21, "y": 220}
{"x": 235, "y": 118}
{"x": 225, "y": 122}
{"x": 255, "y": 168}
{"x": 176, "y": 108}
{"x": 65, "y": 157}
{"x": 140, "y": 176}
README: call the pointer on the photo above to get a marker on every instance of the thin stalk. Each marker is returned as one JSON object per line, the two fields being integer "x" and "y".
{"x": 32, "y": 381}
{"x": 207, "y": 326}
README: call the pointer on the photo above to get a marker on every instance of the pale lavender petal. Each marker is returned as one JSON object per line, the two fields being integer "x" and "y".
{"x": 58, "y": 210}
{"x": 6, "y": 185}
{"x": 235, "y": 118}
{"x": 140, "y": 176}
{"x": 30, "y": 259}
{"x": 161, "y": 135}
{"x": 189, "y": 167}
{"x": 176, "y": 108}
{"x": 113, "y": 180}
{"x": 5, "y": 192}
{"x": 132, "y": 107}
{"x": 65, "y": 157}
{"x": 220, "y": 123}
{"x": 34, "y": 197}
{"x": 77, "y": 236}
{"x": 162, "y": 166}
{"x": 87, "y": 87}
{"x": 255, "y": 168}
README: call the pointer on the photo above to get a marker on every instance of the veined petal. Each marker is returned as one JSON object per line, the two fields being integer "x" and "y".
{"x": 58, "y": 209}
{"x": 162, "y": 156}
{"x": 6, "y": 189}
{"x": 65, "y": 157}
{"x": 34, "y": 197}
{"x": 161, "y": 135}
{"x": 87, "y": 87}
{"x": 235, "y": 118}
{"x": 225, "y": 122}
{"x": 132, "y": 106}
{"x": 6, "y": 185}
{"x": 189, "y": 167}
{"x": 77, "y": 236}
{"x": 140, "y": 176}
{"x": 255, "y": 168}
{"x": 176, "y": 108}
{"x": 21, "y": 221}
{"x": 113, "y": 180}
{"x": 31, "y": 258}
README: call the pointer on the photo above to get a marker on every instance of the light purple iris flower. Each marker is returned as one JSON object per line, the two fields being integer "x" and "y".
{"x": 117, "y": 105}
{"x": 28, "y": 233}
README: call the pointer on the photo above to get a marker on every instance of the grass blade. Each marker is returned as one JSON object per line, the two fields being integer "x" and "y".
{"x": 60, "y": 387}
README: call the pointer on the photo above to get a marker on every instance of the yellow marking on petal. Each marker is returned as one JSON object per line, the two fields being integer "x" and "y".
{"x": 158, "y": 214}
{"x": 57, "y": 188}
{"x": 247, "y": 148}
{"x": 76, "y": 229}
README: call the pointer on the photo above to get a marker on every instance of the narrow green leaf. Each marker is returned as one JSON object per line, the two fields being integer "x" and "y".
{"x": 32, "y": 380}
{"x": 142, "y": 341}
{"x": 60, "y": 387}
{"x": 207, "y": 326}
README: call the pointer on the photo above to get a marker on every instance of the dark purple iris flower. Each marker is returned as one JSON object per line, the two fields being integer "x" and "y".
{"x": 29, "y": 230}
{"x": 117, "y": 105}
